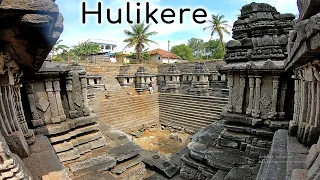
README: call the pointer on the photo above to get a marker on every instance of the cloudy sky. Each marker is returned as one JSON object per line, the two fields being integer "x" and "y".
{"x": 177, "y": 33}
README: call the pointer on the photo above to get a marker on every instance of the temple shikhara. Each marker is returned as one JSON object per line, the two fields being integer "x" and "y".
{"x": 255, "y": 115}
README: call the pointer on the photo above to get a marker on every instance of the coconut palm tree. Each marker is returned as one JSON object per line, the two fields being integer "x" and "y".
{"x": 139, "y": 38}
{"x": 219, "y": 26}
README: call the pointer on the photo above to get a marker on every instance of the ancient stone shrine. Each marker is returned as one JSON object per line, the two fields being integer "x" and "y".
{"x": 200, "y": 81}
{"x": 142, "y": 80}
{"x": 258, "y": 102}
{"x": 170, "y": 81}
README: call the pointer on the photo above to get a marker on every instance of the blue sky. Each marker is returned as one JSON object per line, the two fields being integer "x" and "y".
{"x": 75, "y": 31}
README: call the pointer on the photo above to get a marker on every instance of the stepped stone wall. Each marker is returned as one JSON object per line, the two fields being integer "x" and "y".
{"x": 188, "y": 111}
{"x": 126, "y": 112}
{"x": 190, "y": 66}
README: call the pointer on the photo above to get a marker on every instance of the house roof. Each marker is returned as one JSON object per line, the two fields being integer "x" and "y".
{"x": 163, "y": 53}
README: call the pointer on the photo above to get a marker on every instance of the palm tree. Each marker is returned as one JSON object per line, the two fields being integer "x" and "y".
{"x": 138, "y": 38}
{"x": 218, "y": 25}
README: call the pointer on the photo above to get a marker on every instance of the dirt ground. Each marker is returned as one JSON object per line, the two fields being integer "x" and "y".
{"x": 160, "y": 140}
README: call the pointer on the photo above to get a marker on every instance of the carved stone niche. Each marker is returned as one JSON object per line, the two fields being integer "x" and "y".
{"x": 13, "y": 123}
{"x": 306, "y": 119}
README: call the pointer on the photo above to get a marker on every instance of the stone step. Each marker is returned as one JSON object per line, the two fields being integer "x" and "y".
{"x": 105, "y": 158}
{"x": 127, "y": 102}
{"x": 182, "y": 124}
{"x": 127, "y": 111}
{"x": 192, "y": 105}
{"x": 178, "y": 118}
{"x": 188, "y": 102}
{"x": 194, "y": 98}
{"x": 220, "y": 175}
{"x": 195, "y": 109}
{"x": 122, "y": 116}
{"x": 127, "y": 127}
{"x": 186, "y": 123}
{"x": 120, "y": 168}
{"x": 126, "y": 106}
{"x": 43, "y": 163}
{"x": 199, "y": 166}
{"x": 191, "y": 115}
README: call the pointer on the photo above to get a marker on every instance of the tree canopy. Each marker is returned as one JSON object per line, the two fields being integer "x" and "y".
{"x": 206, "y": 50}
{"x": 138, "y": 37}
{"x": 183, "y": 51}
{"x": 197, "y": 46}
{"x": 219, "y": 26}
{"x": 85, "y": 49}
{"x": 213, "y": 50}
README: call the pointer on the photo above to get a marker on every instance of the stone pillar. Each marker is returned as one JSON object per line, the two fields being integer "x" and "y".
{"x": 36, "y": 120}
{"x": 223, "y": 77}
{"x": 72, "y": 111}
{"x": 83, "y": 78}
{"x": 202, "y": 78}
{"x": 28, "y": 134}
{"x": 251, "y": 95}
{"x": 53, "y": 102}
{"x": 5, "y": 120}
{"x": 8, "y": 108}
{"x": 275, "y": 84}
{"x": 304, "y": 109}
{"x": 317, "y": 116}
{"x": 57, "y": 89}
{"x": 313, "y": 103}
{"x": 91, "y": 81}
{"x": 239, "y": 108}
{"x": 229, "y": 107}
{"x": 256, "y": 111}
{"x": 284, "y": 87}
{"x": 297, "y": 98}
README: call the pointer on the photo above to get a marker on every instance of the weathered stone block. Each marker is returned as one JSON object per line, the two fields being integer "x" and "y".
{"x": 312, "y": 156}
{"x": 299, "y": 174}
{"x": 228, "y": 143}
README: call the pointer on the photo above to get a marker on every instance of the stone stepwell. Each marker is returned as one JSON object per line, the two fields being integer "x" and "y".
{"x": 126, "y": 112}
{"x": 190, "y": 112}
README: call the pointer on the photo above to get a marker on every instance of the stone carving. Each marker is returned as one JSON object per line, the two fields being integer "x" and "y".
{"x": 9, "y": 166}
{"x": 257, "y": 93}
{"x": 143, "y": 78}
{"x": 200, "y": 83}
{"x": 306, "y": 114}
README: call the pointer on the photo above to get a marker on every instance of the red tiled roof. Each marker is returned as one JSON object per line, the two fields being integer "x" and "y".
{"x": 163, "y": 53}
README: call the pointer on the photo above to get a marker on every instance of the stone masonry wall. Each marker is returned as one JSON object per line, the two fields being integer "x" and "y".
{"x": 189, "y": 112}
{"x": 126, "y": 112}
{"x": 190, "y": 66}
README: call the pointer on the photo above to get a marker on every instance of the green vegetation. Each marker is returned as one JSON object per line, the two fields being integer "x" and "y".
{"x": 197, "y": 46}
{"x": 139, "y": 38}
{"x": 83, "y": 50}
{"x": 144, "y": 56}
{"x": 55, "y": 51}
{"x": 206, "y": 50}
{"x": 183, "y": 51}
{"x": 219, "y": 26}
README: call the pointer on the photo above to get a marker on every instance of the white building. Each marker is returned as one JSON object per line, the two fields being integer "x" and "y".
{"x": 161, "y": 56}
